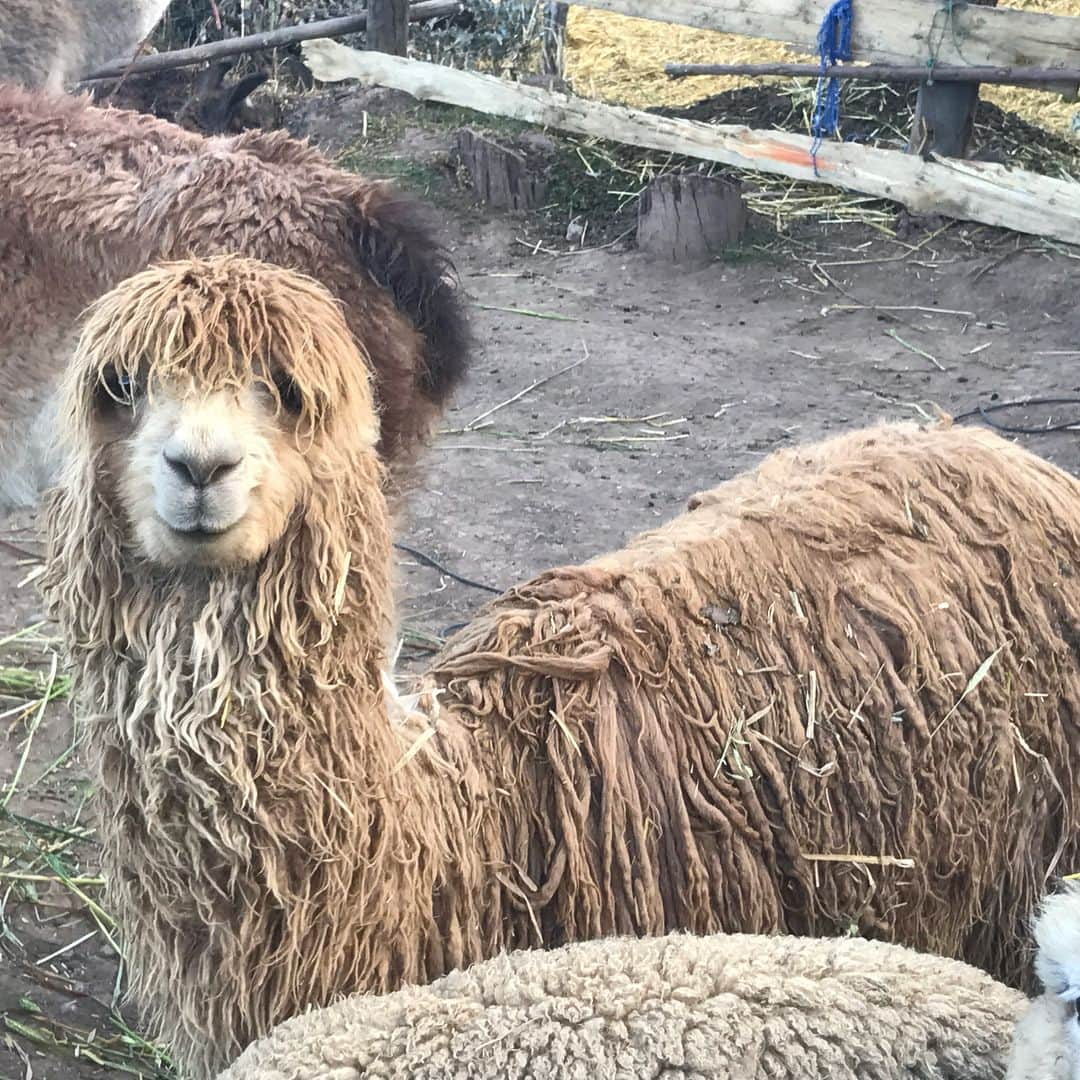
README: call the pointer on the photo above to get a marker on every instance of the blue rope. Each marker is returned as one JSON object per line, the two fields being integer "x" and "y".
{"x": 834, "y": 45}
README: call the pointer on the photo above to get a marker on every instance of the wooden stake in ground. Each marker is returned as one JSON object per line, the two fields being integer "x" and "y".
{"x": 388, "y": 26}
{"x": 501, "y": 177}
{"x": 968, "y": 190}
{"x": 945, "y": 111}
{"x": 690, "y": 218}
{"x": 552, "y": 55}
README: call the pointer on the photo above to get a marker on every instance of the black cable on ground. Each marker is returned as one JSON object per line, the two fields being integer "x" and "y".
{"x": 983, "y": 413}
{"x": 427, "y": 560}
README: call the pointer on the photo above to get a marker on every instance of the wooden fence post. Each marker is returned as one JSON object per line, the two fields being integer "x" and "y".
{"x": 945, "y": 112}
{"x": 388, "y": 26}
{"x": 552, "y": 47}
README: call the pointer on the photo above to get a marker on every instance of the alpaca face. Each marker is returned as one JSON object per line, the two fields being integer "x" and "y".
{"x": 204, "y": 479}
{"x": 217, "y": 402}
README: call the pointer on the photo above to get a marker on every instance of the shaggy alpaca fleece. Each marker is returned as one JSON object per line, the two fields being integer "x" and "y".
{"x": 739, "y": 1007}
{"x": 1047, "y": 1042}
{"x": 839, "y": 692}
{"x": 89, "y": 196}
{"x": 838, "y": 695}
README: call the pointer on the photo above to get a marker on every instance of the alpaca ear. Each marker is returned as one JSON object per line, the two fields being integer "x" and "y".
{"x": 211, "y": 77}
{"x": 218, "y": 110}
{"x": 396, "y": 244}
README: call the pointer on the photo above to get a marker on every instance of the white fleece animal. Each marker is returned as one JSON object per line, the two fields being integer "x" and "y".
{"x": 733, "y": 1006}
{"x": 1047, "y": 1041}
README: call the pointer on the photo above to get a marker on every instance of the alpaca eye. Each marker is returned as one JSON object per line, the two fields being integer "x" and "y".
{"x": 288, "y": 392}
{"x": 116, "y": 388}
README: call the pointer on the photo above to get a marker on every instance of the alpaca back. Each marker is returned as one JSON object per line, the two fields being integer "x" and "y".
{"x": 51, "y": 45}
{"x": 841, "y": 694}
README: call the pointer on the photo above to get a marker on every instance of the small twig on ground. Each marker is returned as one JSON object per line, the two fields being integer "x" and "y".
{"x": 525, "y": 311}
{"x": 471, "y": 425}
{"x": 14, "y": 784}
{"x": 22, "y": 553}
{"x": 896, "y": 307}
{"x": 915, "y": 349}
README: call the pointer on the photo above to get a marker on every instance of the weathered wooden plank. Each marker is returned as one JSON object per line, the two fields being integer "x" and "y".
{"x": 978, "y": 191}
{"x": 900, "y": 31}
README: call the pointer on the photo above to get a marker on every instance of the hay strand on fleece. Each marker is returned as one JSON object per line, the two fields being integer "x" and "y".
{"x": 884, "y": 567}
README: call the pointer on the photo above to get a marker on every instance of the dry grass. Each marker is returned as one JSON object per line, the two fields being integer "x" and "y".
{"x": 619, "y": 59}
{"x": 51, "y": 915}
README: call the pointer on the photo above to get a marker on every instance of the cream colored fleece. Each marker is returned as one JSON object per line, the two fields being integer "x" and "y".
{"x": 724, "y": 1006}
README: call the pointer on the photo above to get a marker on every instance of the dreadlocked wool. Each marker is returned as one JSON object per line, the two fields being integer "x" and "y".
{"x": 838, "y": 696}
{"x": 738, "y": 1006}
{"x": 89, "y": 196}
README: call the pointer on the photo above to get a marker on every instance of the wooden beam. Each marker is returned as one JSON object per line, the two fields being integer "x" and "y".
{"x": 970, "y": 190}
{"x": 388, "y": 26}
{"x": 1051, "y": 80}
{"x": 271, "y": 39}
{"x": 897, "y": 32}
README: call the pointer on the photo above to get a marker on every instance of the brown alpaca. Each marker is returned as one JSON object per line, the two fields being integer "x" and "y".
{"x": 89, "y": 196}
{"x": 50, "y": 44}
{"x": 751, "y": 719}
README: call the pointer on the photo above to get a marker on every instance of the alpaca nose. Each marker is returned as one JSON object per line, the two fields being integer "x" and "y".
{"x": 200, "y": 469}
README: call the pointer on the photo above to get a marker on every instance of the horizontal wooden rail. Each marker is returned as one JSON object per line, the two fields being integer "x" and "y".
{"x": 977, "y": 191}
{"x": 271, "y": 39}
{"x": 1052, "y": 80}
{"x": 894, "y": 32}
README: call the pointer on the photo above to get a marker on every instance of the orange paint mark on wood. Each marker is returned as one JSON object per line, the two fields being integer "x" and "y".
{"x": 787, "y": 155}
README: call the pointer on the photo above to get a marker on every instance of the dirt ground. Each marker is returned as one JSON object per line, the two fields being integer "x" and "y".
{"x": 606, "y": 388}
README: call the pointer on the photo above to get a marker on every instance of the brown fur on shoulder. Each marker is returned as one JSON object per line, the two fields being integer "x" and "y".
{"x": 89, "y": 196}
{"x": 838, "y": 695}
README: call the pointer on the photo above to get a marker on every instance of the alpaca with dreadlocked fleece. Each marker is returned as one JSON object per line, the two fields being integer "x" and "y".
{"x": 89, "y": 196}
{"x": 837, "y": 696}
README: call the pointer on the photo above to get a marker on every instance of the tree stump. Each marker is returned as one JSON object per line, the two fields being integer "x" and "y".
{"x": 501, "y": 176}
{"x": 690, "y": 218}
